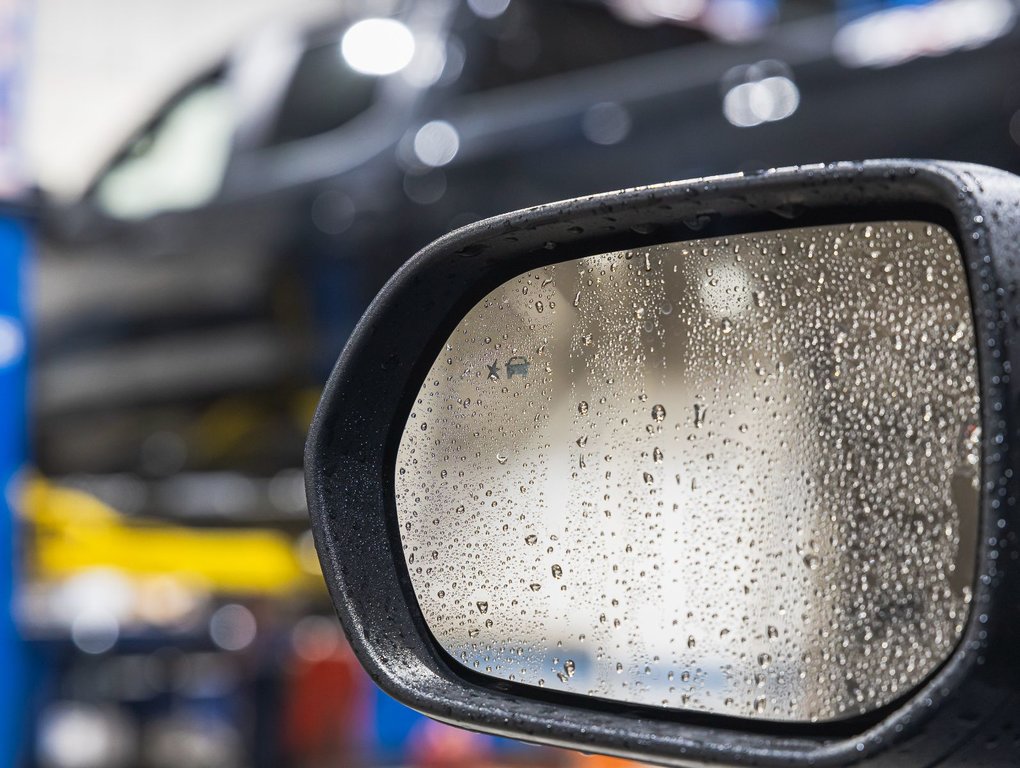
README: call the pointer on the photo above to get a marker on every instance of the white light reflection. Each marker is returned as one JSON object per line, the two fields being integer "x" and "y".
{"x": 94, "y": 604}
{"x": 737, "y": 20}
{"x": 606, "y": 123}
{"x": 12, "y": 341}
{"x": 436, "y": 143}
{"x": 233, "y": 627}
{"x": 428, "y": 62}
{"x": 378, "y": 47}
{"x": 489, "y": 9}
{"x": 896, "y": 35}
{"x": 762, "y": 101}
{"x": 654, "y": 11}
{"x": 82, "y": 735}
{"x": 95, "y": 631}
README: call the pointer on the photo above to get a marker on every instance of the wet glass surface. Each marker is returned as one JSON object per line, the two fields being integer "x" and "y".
{"x": 734, "y": 475}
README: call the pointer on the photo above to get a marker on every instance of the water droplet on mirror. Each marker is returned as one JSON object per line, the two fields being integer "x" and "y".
{"x": 658, "y": 412}
{"x": 536, "y": 587}
{"x": 700, "y": 412}
{"x": 531, "y": 539}
{"x": 582, "y": 407}
{"x": 483, "y": 607}
{"x": 501, "y": 458}
{"x": 557, "y": 571}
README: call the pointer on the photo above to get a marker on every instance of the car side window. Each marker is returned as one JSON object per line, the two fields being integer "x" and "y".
{"x": 324, "y": 94}
{"x": 179, "y": 161}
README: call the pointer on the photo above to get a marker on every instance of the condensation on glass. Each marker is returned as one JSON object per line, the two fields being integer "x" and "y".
{"x": 735, "y": 475}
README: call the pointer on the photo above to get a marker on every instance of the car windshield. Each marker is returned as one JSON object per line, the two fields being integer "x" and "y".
{"x": 178, "y": 162}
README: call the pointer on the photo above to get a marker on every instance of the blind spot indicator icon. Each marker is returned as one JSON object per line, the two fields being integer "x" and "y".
{"x": 516, "y": 366}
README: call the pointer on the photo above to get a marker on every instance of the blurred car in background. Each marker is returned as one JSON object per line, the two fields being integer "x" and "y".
{"x": 230, "y": 246}
{"x": 190, "y": 304}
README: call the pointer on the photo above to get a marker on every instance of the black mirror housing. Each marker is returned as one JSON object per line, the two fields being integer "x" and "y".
{"x": 962, "y": 715}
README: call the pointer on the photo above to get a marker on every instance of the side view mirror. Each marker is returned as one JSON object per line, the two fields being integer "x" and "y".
{"x": 717, "y": 471}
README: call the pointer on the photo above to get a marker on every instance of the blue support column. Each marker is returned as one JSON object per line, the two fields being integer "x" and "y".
{"x": 14, "y": 244}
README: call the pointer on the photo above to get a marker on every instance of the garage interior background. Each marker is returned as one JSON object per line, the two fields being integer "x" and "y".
{"x": 167, "y": 605}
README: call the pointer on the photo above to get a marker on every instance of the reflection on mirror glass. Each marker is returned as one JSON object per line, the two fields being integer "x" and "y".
{"x": 735, "y": 475}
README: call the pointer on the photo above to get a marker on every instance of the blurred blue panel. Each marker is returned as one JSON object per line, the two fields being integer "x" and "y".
{"x": 14, "y": 243}
{"x": 394, "y": 724}
{"x": 399, "y": 731}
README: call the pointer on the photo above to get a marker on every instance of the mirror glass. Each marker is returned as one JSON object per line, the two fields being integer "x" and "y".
{"x": 733, "y": 475}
